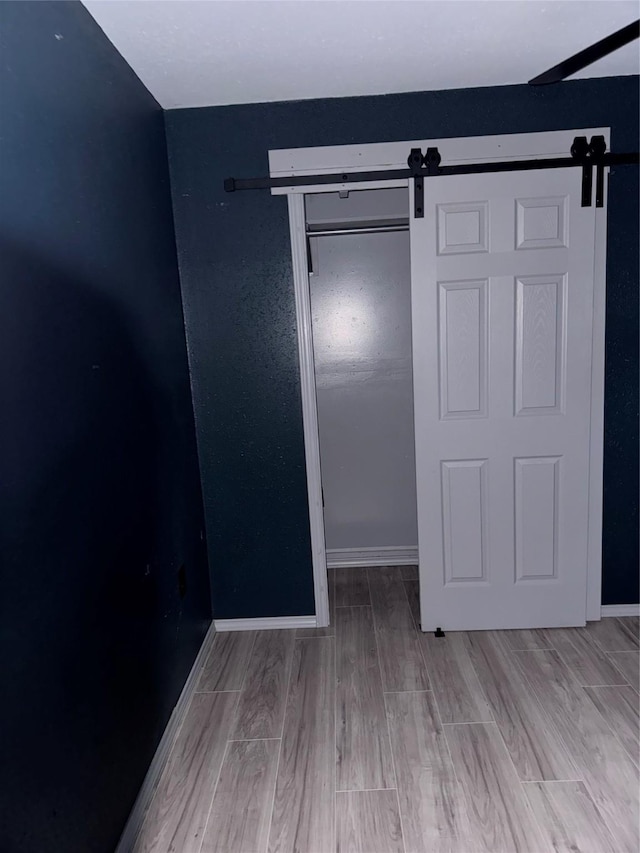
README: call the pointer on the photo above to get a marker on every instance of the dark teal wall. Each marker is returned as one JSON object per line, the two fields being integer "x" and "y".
{"x": 238, "y": 295}
{"x": 100, "y": 501}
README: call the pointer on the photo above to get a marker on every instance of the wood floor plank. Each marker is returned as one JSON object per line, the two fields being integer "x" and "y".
{"x": 303, "y": 818}
{"x": 583, "y": 656}
{"x": 454, "y": 680}
{"x": 241, "y": 810}
{"x": 608, "y": 772}
{"x": 499, "y": 813}
{"x": 368, "y": 822}
{"x": 434, "y": 817}
{"x": 631, "y": 624}
{"x": 568, "y": 817}
{"x": 412, "y": 591}
{"x": 330, "y": 629}
{"x": 264, "y": 694}
{"x": 351, "y": 587}
{"x": 226, "y": 664}
{"x": 619, "y": 707}
{"x": 409, "y": 573}
{"x": 525, "y": 639}
{"x": 178, "y": 812}
{"x": 362, "y": 737}
{"x": 614, "y": 635}
{"x": 629, "y": 665}
{"x": 401, "y": 660}
{"x": 327, "y": 631}
{"x": 534, "y": 745}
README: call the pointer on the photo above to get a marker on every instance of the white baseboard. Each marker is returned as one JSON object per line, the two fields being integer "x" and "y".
{"x": 146, "y": 792}
{"x": 265, "y": 623}
{"x": 620, "y": 610}
{"x": 400, "y": 555}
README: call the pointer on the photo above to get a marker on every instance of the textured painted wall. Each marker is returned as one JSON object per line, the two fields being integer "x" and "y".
{"x": 100, "y": 502}
{"x": 237, "y": 288}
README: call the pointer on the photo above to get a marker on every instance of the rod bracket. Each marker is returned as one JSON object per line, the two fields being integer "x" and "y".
{"x": 415, "y": 165}
{"x": 230, "y": 185}
{"x": 581, "y": 153}
{"x": 598, "y": 148}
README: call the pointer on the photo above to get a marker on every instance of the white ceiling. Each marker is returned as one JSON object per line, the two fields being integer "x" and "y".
{"x": 223, "y": 52}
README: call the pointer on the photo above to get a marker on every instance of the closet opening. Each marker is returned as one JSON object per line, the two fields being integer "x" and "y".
{"x": 360, "y": 290}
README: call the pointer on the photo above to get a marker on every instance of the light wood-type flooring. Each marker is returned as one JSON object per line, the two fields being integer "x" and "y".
{"x": 372, "y": 737}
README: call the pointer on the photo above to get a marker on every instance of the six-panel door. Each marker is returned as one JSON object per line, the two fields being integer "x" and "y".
{"x": 502, "y": 289}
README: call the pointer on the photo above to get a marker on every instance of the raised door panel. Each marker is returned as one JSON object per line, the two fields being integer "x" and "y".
{"x": 537, "y": 483}
{"x": 539, "y": 343}
{"x": 541, "y": 223}
{"x": 464, "y": 518}
{"x": 463, "y": 349}
{"x": 463, "y": 228}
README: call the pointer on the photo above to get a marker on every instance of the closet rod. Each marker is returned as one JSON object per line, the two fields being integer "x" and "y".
{"x": 367, "y": 229}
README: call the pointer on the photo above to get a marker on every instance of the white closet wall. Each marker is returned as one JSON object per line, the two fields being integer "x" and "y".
{"x": 360, "y": 297}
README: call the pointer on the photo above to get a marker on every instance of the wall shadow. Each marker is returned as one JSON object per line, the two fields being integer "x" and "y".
{"x": 84, "y": 591}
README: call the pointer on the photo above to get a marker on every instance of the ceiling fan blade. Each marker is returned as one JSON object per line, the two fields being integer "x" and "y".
{"x": 589, "y": 55}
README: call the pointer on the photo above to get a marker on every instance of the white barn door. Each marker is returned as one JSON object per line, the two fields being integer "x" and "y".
{"x": 502, "y": 272}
